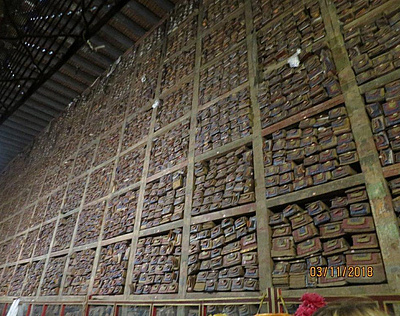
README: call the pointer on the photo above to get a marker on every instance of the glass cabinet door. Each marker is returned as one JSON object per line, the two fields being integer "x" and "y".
{"x": 101, "y": 310}
{"x": 36, "y": 310}
{"x": 73, "y": 310}
{"x": 134, "y": 311}
{"x": 53, "y": 310}
{"x": 166, "y": 310}
{"x": 22, "y": 309}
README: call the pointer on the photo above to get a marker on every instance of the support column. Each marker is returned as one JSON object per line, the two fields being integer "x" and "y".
{"x": 138, "y": 217}
{"x": 191, "y": 156}
{"x": 262, "y": 213}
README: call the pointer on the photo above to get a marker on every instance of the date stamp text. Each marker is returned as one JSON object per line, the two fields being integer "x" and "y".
{"x": 342, "y": 271}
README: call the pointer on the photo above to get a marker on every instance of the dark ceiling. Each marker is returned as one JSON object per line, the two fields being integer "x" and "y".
{"x": 52, "y": 50}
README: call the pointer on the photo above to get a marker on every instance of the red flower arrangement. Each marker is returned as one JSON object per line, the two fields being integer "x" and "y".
{"x": 311, "y": 303}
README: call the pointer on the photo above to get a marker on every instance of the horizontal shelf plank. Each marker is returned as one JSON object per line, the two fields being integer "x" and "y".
{"x": 172, "y": 299}
{"x": 109, "y": 298}
{"x": 30, "y": 228}
{"x": 343, "y": 291}
{"x": 167, "y": 171}
{"x": 85, "y": 247}
{"x": 114, "y": 240}
{"x": 185, "y": 48}
{"x": 177, "y": 85}
{"x": 239, "y": 210}
{"x": 146, "y": 107}
{"x": 53, "y": 219}
{"x": 227, "y": 18}
{"x": 224, "y": 95}
{"x": 96, "y": 201}
{"x": 302, "y": 115}
{"x": 53, "y": 299}
{"x": 224, "y": 149}
{"x": 105, "y": 163}
{"x": 278, "y": 64}
{"x": 223, "y": 295}
{"x": 69, "y": 213}
{"x": 387, "y": 7}
{"x": 59, "y": 253}
{"x": 316, "y": 191}
{"x": 184, "y": 22}
{"x": 17, "y": 213}
{"x": 90, "y": 143}
{"x": 380, "y": 81}
{"x": 131, "y": 187}
{"x": 223, "y": 55}
{"x": 62, "y": 187}
{"x": 14, "y": 236}
{"x": 161, "y": 228}
{"x": 284, "y": 14}
{"x": 171, "y": 125}
{"x": 9, "y": 264}
{"x": 141, "y": 142}
{"x": 391, "y": 171}
{"x": 39, "y": 258}
{"x": 142, "y": 299}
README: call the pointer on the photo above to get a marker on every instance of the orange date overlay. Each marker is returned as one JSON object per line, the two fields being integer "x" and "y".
{"x": 343, "y": 271}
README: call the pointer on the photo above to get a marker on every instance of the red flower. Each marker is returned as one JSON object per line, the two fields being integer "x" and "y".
{"x": 311, "y": 303}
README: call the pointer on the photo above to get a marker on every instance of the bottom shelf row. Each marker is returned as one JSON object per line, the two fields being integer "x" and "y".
{"x": 238, "y": 308}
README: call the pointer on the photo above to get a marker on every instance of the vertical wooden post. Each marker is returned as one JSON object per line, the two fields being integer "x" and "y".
{"x": 396, "y": 308}
{"x": 138, "y": 217}
{"x": 70, "y": 251}
{"x": 59, "y": 215}
{"x": 381, "y": 204}
{"x": 263, "y": 229}
{"x": 47, "y": 259}
{"x": 98, "y": 247}
{"x": 191, "y": 154}
{"x": 97, "y": 254}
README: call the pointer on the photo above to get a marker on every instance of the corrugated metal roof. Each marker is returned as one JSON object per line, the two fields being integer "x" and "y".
{"x": 126, "y": 26}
